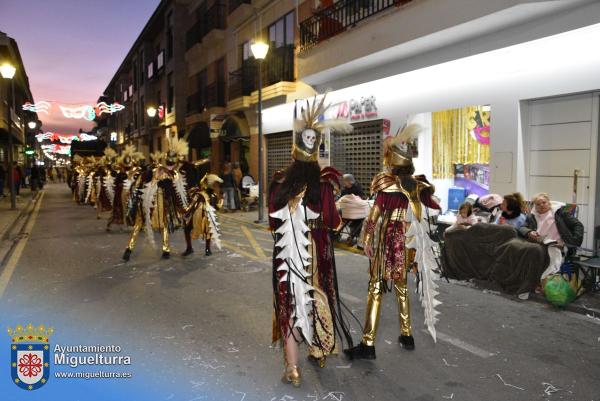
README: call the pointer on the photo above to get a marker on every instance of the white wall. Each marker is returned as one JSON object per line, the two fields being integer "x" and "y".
{"x": 556, "y": 65}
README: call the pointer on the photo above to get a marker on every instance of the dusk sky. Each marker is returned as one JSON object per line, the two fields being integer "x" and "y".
{"x": 72, "y": 48}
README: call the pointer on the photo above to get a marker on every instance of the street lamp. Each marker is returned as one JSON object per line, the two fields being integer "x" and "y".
{"x": 151, "y": 111}
{"x": 7, "y": 71}
{"x": 259, "y": 50}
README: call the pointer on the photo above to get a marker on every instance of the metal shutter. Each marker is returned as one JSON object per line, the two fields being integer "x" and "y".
{"x": 279, "y": 152}
{"x": 360, "y": 152}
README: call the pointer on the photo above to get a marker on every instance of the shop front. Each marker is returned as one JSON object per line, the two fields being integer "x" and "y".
{"x": 540, "y": 93}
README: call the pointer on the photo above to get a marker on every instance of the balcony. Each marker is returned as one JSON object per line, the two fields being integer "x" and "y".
{"x": 243, "y": 82}
{"x": 278, "y": 65}
{"x": 211, "y": 20}
{"x": 343, "y": 15}
{"x": 196, "y": 103}
{"x": 235, "y": 4}
{"x": 215, "y": 94}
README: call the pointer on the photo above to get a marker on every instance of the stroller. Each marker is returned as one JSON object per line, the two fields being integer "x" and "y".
{"x": 249, "y": 193}
{"x": 353, "y": 210}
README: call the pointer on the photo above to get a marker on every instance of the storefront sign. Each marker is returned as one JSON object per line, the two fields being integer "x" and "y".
{"x": 353, "y": 109}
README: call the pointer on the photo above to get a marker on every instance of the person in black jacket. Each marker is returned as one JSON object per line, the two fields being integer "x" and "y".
{"x": 351, "y": 187}
{"x": 546, "y": 223}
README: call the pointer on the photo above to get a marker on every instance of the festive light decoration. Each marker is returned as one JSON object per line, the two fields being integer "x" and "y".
{"x": 102, "y": 108}
{"x": 57, "y": 149}
{"x": 84, "y": 111}
{"x": 38, "y": 107}
{"x": 65, "y": 139}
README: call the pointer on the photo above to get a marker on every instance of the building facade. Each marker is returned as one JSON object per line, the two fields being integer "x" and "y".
{"x": 524, "y": 63}
{"x": 152, "y": 77}
{"x": 18, "y": 118}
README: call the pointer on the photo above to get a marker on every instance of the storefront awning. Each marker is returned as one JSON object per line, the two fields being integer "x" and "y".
{"x": 199, "y": 136}
{"x": 235, "y": 128}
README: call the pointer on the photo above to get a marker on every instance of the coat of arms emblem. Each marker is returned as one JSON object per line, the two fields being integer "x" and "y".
{"x": 30, "y": 356}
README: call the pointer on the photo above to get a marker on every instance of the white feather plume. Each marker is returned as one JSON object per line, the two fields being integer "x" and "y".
{"x": 425, "y": 260}
{"x": 179, "y": 184}
{"x": 109, "y": 185}
{"x": 213, "y": 225}
{"x": 148, "y": 202}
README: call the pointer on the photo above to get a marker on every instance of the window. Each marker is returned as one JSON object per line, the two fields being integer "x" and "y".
{"x": 170, "y": 35}
{"x": 170, "y": 93}
{"x": 135, "y": 76}
{"x": 142, "y": 72}
{"x": 142, "y": 111}
{"x": 246, "y": 51}
{"x": 281, "y": 32}
{"x": 125, "y": 96}
{"x": 150, "y": 70}
{"x": 130, "y": 90}
{"x": 160, "y": 60}
{"x": 135, "y": 116}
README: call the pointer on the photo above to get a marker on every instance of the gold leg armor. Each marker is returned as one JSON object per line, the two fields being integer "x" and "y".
{"x": 136, "y": 231}
{"x": 165, "y": 239}
{"x": 372, "y": 313}
{"x": 403, "y": 305}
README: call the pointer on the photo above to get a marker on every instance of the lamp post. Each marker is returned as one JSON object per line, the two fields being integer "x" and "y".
{"x": 259, "y": 50}
{"x": 7, "y": 71}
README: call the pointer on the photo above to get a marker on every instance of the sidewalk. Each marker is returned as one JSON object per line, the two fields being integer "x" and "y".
{"x": 586, "y": 304}
{"x": 12, "y": 220}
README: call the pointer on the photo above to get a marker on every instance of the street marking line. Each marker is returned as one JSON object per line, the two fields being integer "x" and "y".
{"x": 11, "y": 265}
{"x": 463, "y": 345}
{"x": 257, "y": 248}
{"x": 351, "y": 298}
{"x": 237, "y": 250}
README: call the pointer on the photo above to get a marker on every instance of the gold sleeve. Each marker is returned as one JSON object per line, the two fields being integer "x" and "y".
{"x": 370, "y": 224}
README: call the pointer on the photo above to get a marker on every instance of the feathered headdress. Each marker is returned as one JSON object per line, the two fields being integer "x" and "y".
{"x": 178, "y": 149}
{"x": 157, "y": 156}
{"x": 309, "y": 128}
{"x": 209, "y": 180}
{"x": 130, "y": 156}
{"x": 400, "y": 149}
{"x": 110, "y": 155}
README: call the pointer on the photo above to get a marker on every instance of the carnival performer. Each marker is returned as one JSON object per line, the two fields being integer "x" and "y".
{"x": 302, "y": 214}
{"x": 200, "y": 215}
{"x": 76, "y": 171}
{"x": 396, "y": 241}
{"x": 103, "y": 201}
{"x": 90, "y": 181}
{"x": 135, "y": 210}
{"x": 117, "y": 185}
{"x": 164, "y": 198}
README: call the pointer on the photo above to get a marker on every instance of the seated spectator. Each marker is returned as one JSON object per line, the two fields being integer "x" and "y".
{"x": 552, "y": 224}
{"x": 351, "y": 187}
{"x": 512, "y": 211}
{"x": 465, "y": 217}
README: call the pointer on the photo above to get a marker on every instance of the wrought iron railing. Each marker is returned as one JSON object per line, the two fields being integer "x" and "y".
{"x": 215, "y": 94}
{"x": 339, "y": 17}
{"x": 234, "y": 4}
{"x": 213, "y": 19}
{"x": 196, "y": 103}
{"x": 278, "y": 65}
{"x": 242, "y": 82}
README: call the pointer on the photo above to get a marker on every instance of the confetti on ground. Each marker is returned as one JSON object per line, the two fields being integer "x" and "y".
{"x": 448, "y": 364}
{"x": 388, "y": 341}
{"x": 243, "y": 395}
{"x": 344, "y": 366}
{"x": 549, "y": 388}
{"x": 187, "y": 326}
{"x": 508, "y": 384}
{"x": 448, "y": 397}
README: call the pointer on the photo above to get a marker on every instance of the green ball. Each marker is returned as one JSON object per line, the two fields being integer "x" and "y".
{"x": 558, "y": 291}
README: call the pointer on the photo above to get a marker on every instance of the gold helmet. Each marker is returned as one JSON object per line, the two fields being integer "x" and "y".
{"x": 129, "y": 157}
{"x": 178, "y": 150}
{"x": 400, "y": 150}
{"x": 209, "y": 180}
{"x": 309, "y": 128}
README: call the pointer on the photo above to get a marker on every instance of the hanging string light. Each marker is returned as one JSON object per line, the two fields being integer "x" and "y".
{"x": 38, "y": 107}
{"x": 84, "y": 111}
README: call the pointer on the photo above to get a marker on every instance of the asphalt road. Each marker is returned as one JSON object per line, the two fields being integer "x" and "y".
{"x": 205, "y": 322}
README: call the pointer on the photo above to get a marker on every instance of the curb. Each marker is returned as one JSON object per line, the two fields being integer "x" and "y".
{"x": 11, "y": 236}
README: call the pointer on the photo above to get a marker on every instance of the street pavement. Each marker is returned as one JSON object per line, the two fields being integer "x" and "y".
{"x": 204, "y": 323}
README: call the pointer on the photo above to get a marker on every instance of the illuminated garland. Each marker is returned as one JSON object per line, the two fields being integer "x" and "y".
{"x": 86, "y": 112}
{"x": 66, "y": 139}
{"x": 39, "y": 107}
